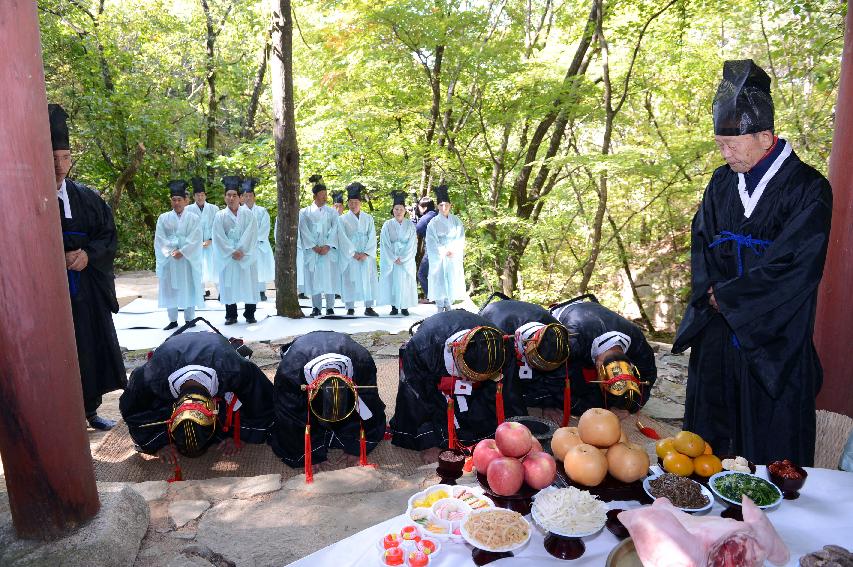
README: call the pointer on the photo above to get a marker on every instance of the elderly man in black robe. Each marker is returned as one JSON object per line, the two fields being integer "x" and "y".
{"x": 452, "y": 389}
{"x": 196, "y": 391}
{"x": 540, "y": 345}
{"x": 326, "y": 398}
{"x": 611, "y": 363}
{"x": 89, "y": 239}
{"x": 759, "y": 242}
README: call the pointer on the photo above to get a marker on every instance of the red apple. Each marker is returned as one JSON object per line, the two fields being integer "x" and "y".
{"x": 485, "y": 452}
{"x": 536, "y": 447}
{"x": 513, "y": 439}
{"x": 539, "y": 470}
{"x": 505, "y": 476}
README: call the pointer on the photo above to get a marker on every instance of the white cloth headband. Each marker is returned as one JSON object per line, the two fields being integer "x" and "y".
{"x": 609, "y": 340}
{"x": 201, "y": 374}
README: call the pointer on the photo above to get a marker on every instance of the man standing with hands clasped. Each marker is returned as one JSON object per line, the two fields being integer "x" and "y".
{"x": 759, "y": 242}
{"x": 89, "y": 239}
{"x": 235, "y": 238}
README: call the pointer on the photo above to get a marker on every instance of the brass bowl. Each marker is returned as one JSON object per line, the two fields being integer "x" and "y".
{"x": 624, "y": 555}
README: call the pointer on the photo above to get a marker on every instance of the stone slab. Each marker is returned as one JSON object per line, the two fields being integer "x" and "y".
{"x": 111, "y": 539}
{"x": 151, "y": 490}
{"x": 183, "y": 511}
{"x": 388, "y": 350}
{"x": 189, "y": 561}
{"x": 660, "y": 409}
{"x": 214, "y": 489}
{"x": 342, "y": 481}
{"x": 258, "y": 485}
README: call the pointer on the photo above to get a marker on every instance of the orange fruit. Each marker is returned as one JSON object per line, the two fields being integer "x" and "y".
{"x": 708, "y": 450}
{"x": 689, "y": 444}
{"x": 679, "y": 464}
{"x": 664, "y": 446}
{"x": 707, "y": 465}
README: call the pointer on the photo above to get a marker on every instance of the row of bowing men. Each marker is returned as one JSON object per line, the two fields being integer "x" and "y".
{"x": 336, "y": 254}
{"x": 461, "y": 374}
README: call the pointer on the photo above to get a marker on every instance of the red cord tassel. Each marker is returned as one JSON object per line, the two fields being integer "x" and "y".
{"x": 179, "y": 474}
{"x": 309, "y": 473}
{"x": 567, "y": 400}
{"x": 451, "y": 426}
{"x": 499, "y": 403}
{"x": 362, "y": 447}
{"x": 648, "y": 431}
{"x": 237, "y": 428}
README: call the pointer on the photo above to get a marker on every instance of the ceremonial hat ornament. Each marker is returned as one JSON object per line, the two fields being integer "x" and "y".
{"x": 355, "y": 190}
{"x": 193, "y": 423}
{"x": 441, "y": 194}
{"x": 316, "y": 178}
{"x": 545, "y": 346}
{"x": 58, "y": 127}
{"x": 232, "y": 183}
{"x": 479, "y": 354}
{"x": 198, "y": 185}
{"x": 249, "y": 184}
{"x": 743, "y": 104}
{"x": 178, "y": 188}
{"x": 620, "y": 383}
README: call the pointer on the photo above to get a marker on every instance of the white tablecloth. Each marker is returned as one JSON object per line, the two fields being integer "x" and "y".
{"x": 823, "y": 514}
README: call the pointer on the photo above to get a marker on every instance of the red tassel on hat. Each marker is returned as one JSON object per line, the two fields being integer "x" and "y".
{"x": 451, "y": 426}
{"x": 499, "y": 403}
{"x": 648, "y": 431}
{"x": 309, "y": 473}
{"x": 567, "y": 400}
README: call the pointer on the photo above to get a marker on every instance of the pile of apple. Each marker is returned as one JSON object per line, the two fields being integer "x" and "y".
{"x": 598, "y": 446}
{"x": 512, "y": 458}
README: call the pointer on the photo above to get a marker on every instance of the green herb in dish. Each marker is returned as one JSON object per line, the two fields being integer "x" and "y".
{"x": 733, "y": 486}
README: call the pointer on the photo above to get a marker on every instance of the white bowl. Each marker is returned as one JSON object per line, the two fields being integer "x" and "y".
{"x": 705, "y": 492}
{"x": 737, "y": 503}
{"x": 467, "y": 537}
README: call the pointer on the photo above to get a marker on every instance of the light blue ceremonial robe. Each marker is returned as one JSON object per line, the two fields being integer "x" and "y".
{"x": 179, "y": 279}
{"x": 238, "y": 279}
{"x": 397, "y": 283}
{"x": 318, "y": 226}
{"x": 359, "y": 281}
{"x": 266, "y": 261}
{"x": 209, "y": 271}
{"x": 446, "y": 273}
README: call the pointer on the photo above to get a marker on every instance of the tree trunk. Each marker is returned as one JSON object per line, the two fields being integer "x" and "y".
{"x": 435, "y": 84}
{"x": 623, "y": 256}
{"x": 249, "y": 122}
{"x": 286, "y": 160}
{"x": 212, "y": 102}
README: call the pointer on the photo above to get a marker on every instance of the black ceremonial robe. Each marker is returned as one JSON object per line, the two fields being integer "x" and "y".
{"x": 420, "y": 415}
{"x": 148, "y": 398}
{"x": 543, "y": 389}
{"x": 287, "y": 438}
{"x": 587, "y": 320}
{"x": 754, "y": 372}
{"x": 93, "y": 295}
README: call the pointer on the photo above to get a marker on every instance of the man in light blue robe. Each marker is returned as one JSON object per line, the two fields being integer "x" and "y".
{"x": 235, "y": 239}
{"x": 358, "y": 280}
{"x": 266, "y": 261}
{"x": 321, "y": 239}
{"x": 445, "y": 244}
{"x": 398, "y": 244}
{"x": 177, "y": 251}
{"x": 206, "y": 212}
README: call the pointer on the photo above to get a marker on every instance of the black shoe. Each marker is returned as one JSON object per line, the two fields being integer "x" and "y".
{"x": 350, "y": 311}
{"x": 405, "y": 312}
{"x": 370, "y": 312}
{"x": 170, "y": 326}
{"x": 315, "y": 312}
{"x": 229, "y": 321}
{"x": 207, "y": 293}
{"x": 330, "y": 311}
{"x": 394, "y": 311}
{"x": 101, "y": 423}
{"x": 302, "y": 296}
{"x": 263, "y": 296}
{"x": 251, "y": 320}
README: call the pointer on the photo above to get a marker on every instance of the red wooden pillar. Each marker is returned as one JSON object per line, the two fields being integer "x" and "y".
{"x": 834, "y": 323}
{"x": 43, "y": 441}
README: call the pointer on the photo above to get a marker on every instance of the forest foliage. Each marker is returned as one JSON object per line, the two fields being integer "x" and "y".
{"x": 575, "y": 135}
